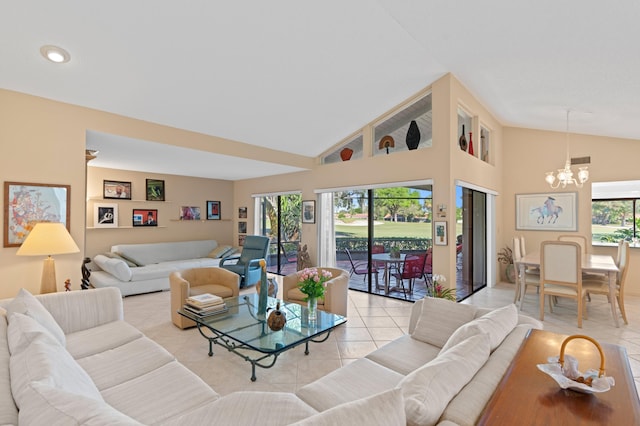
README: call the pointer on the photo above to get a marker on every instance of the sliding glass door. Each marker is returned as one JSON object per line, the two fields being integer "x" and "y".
{"x": 280, "y": 220}
{"x": 471, "y": 241}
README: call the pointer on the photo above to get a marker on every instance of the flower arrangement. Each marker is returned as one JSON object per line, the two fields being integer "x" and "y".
{"x": 440, "y": 291}
{"x": 313, "y": 283}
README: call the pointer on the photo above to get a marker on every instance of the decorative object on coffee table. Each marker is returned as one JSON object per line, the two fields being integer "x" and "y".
{"x": 313, "y": 284}
{"x": 413, "y": 135}
{"x": 276, "y": 319}
{"x": 264, "y": 289}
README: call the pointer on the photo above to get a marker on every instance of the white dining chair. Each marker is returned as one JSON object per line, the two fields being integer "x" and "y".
{"x": 526, "y": 280}
{"x": 580, "y": 239}
{"x": 561, "y": 275}
{"x": 601, "y": 285}
{"x": 523, "y": 253}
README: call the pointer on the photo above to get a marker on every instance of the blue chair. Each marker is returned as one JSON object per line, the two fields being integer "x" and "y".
{"x": 248, "y": 264}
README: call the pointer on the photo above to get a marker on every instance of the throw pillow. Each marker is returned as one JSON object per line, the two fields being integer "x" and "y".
{"x": 23, "y": 330}
{"x": 129, "y": 259}
{"x": 44, "y": 359}
{"x": 218, "y": 252}
{"x": 47, "y": 405}
{"x": 116, "y": 267}
{"x": 114, "y": 255}
{"x": 26, "y": 303}
{"x": 386, "y": 408}
{"x": 497, "y": 324}
{"x": 439, "y": 319}
{"x": 428, "y": 390}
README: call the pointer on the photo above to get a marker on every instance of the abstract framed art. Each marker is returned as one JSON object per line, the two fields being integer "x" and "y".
{"x": 105, "y": 215}
{"x": 309, "y": 211}
{"x": 26, "y": 204}
{"x": 155, "y": 190}
{"x": 213, "y": 210}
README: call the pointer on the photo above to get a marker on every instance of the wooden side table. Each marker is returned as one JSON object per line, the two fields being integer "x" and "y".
{"x": 527, "y": 396}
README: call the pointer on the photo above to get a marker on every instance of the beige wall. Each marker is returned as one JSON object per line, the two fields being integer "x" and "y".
{"x": 528, "y": 154}
{"x": 179, "y": 191}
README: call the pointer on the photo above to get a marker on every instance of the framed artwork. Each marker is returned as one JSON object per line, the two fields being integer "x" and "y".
{"x": 116, "y": 189}
{"x": 309, "y": 211}
{"x": 213, "y": 210}
{"x": 241, "y": 240}
{"x": 242, "y": 212}
{"x": 242, "y": 227}
{"x": 440, "y": 233}
{"x": 189, "y": 213}
{"x": 105, "y": 215}
{"x": 155, "y": 190}
{"x": 145, "y": 217}
{"x": 556, "y": 211}
{"x": 26, "y": 204}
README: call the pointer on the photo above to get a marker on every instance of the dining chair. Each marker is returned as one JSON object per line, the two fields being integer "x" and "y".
{"x": 361, "y": 268}
{"x": 601, "y": 286}
{"x": 561, "y": 275}
{"x": 412, "y": 268}
{"x": 526, "y": 280}
{"x": 580, "y": 239}
{"x": 523, "y": 253}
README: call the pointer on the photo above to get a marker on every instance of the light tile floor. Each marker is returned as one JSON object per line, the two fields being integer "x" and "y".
{"x": 373, "y": 321}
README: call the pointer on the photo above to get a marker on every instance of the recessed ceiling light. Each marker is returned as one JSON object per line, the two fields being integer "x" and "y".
{"x": 55, "y": 54}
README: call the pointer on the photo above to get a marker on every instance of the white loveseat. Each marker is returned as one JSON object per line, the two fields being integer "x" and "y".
{"x": 69, "y": 358}
{"x": 143, "y": 268}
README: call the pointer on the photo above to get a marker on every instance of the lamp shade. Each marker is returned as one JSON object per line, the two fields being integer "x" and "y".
{"x": 46, "y": 239}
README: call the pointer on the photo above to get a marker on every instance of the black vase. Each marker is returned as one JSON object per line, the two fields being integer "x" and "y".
{"x": 413, "y": 135}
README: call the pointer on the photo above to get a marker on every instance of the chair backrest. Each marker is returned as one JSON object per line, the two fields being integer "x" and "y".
{"x": 428, "y": 262}
{"x": 413, "y": 266}
{"x": 377, "y": 248}
{"x": 580, "y": 239}
{"x": 255, "y": 247}
{"x": 623, "y": 263}
{"x": 561, "y": 263}
{"x": 515, "y": 249}
{"x": 523, "y": 247}
{"x": 353, "y": 266}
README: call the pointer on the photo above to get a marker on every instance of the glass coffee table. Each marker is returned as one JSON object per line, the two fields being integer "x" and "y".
{"x": 245, "y": 333}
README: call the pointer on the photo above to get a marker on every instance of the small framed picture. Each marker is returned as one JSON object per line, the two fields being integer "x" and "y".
{"x": 440, "y": 233}
{"x": 189, "y": 213}
{"x": 105, "y": 215}
{"x": 242, "y": 227}
{"x": 155, "y": 190}
{"x": 145, "y": 217}
{"x": 309, "y": 211}
{"x": 213, "y": 210}
{"x": 242, "y": 212}
{"x": 116, "y": 189}
{"x": 241, "y": 240}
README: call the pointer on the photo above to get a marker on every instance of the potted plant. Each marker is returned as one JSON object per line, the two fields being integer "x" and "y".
{"x": 505, "y": 257}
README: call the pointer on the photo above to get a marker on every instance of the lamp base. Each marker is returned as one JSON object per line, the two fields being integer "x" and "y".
{"x": 48, "y": 283}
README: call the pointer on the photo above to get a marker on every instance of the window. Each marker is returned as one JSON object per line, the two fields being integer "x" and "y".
{"x": 615, "y": 212}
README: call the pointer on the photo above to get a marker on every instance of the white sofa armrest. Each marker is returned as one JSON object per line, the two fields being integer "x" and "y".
{"x": 82, "y": 309}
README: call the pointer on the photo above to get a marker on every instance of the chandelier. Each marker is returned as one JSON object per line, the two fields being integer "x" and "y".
{"x": 564, "y": 176}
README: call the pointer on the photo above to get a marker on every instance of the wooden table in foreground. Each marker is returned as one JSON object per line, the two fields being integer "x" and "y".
{"x": 527, "y": 396}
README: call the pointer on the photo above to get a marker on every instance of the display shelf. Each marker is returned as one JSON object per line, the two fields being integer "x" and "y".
{"x": 113, "y": 200}
{"x": 123, "y": 227}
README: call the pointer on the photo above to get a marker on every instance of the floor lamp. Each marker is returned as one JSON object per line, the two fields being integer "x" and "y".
{"x": 46, "y": 239}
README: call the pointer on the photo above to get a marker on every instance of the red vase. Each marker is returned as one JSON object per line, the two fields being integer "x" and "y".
{"x": 470, "y": 143}
{"x": 346, "y": 154}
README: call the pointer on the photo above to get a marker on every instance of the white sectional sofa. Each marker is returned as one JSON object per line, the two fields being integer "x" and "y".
{"x": 69, "y": 358}
{"x": 143, "y": 268}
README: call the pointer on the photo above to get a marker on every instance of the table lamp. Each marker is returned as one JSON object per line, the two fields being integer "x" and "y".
{"x": 46, "y": 239}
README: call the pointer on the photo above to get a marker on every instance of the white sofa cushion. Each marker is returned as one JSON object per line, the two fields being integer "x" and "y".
{"x": 25, "y": 303}
{"x": 101, "y": 338}
{"x": 497, "y": 324}
{"x": 386, "y": 408}
{"x": 44, "y": 359}
{"x": 404, "y": 354}
{"x": 47, "y": 405}
{"x": 147, "y": 254}
{"x": 428, "y": 390}
{"x": 116, "y": 267}
{"x": 439, "y": 318}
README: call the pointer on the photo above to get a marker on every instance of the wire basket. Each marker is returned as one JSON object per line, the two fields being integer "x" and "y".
{"x": 564, "y": 370}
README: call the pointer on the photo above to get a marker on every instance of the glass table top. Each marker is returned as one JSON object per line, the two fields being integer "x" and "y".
{"x": 243, "y": 324}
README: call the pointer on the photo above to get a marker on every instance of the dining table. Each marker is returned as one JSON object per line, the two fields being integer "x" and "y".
{"x": 593, "y": 263}
{"x": 389, "y": 262}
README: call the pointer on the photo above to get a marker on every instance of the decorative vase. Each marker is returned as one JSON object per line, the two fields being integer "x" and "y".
{"x": 276, "y": 319}
{"x": 346, "y": 154}
{"x": 510, "y": 272}
{"x": 312, "y": 306}
{"x": 413, "y": 135}
{"x": 264, "y": 291}
{"x": 463, "y": 140}
{"x": 470, "y": 143}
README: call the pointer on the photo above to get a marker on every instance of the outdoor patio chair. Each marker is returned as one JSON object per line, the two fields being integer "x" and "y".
{"x": 361, "y": 268}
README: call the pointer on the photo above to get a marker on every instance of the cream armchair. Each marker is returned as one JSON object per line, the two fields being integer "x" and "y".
{"x": 190, "y": 282}
{"x": 335, "y": 297}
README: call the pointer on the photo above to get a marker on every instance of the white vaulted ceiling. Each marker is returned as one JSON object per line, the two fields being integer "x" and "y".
{"x": 300, "y": 76}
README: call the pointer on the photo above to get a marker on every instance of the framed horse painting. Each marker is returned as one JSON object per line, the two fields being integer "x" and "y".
{"x": 556, "y": 211}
